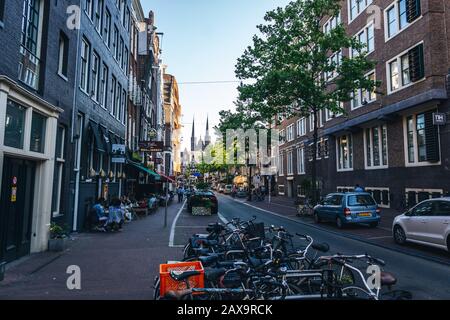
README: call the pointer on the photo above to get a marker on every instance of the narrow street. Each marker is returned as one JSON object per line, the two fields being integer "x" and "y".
{"x": 425, "y": 279}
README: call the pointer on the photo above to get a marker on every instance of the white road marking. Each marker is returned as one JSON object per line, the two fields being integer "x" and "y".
{"x": 174, "y": 224}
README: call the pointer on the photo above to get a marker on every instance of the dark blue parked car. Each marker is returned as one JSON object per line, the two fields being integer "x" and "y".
{"x": 348, "y": 208}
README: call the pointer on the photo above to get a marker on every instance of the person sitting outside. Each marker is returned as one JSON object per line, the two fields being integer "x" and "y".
{"x": 116, "y": 215}
{"x": 99, "y": 215}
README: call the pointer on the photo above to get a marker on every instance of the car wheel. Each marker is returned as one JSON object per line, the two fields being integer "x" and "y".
{"x": 399, "y": 235}
{"x": 317, "y": 218}
{"x": 339, "y": 223}
{"x": 373, "y": 224}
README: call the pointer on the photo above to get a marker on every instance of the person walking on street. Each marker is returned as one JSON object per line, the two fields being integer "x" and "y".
{"x": 180, "y": 193}
{"x": 358, "y": 188}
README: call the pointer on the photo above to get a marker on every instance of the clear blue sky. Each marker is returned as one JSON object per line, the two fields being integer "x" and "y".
{"x": 202, "y": 41}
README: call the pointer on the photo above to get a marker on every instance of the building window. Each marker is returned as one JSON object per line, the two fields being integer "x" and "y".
{"x": 120, "y": 56}
{"x": 361, "y": 97}
{"x": 99, "y": 16}
{"x": 406, "y": 69}
{"x": 332, "y": 23}
{"x": 334, "y": 60}
{"x": 14, "y": 125}
{"x": 282, "y": 136}
{"x": 356, "y": 7}
{"x": 59, "y": 171}
{"x": 301, "y": 127}
{"x": 422, "y": 139}
{"x": 330, "y": 114}
{"x": 290, "y": 163}
{"x": 2, "y": 11}
{"x": 322, "y": 149}
{"x": 29, "y": 65}
{"x": 37, "y": 138}
{"x": 124, "y": 106}
{"x": 89, "y": 8}
{"x": 281, "y": 164}
{"x": 400, "y": 15}
{"x": 107, "y": 28}
{"x": 415, "y": 195}
{"x": 381, "y": 196}
{"x": 63, "y": 55}
{"x": 125, "y": 61}
{"x": 113, "y": 95}
{"x": 118, "y": 100}
{"x": 311, "y": 122}
{"x": 116, "y": 42}
{"x": 104, "y": 86}
{"x": 376, "y": 147}
{"x": 96, "y": 77}
{"x": 127, "y": 19}
{"x": 85, "y": 60}
{"x": 290, "y": 133}
{"x": 344, "y": 152}
{"x": 301, "y": 161}
{"x": 366, "y": 38}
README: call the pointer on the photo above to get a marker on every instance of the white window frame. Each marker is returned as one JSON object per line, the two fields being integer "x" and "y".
{"x": 337, "y": 59}
{"x": 416, "y": 162}
{"x": 396, "y": 7}
{"x": 301, "y": 160}
{"x": 360, "y": 10}
{"x": 380, "y": 148}
{"x": 96, "y": 76}
{"x": 311, "y": 119}
{"x": 301, "y": 127}
{"x": 282, "y": 136}
{"x": 329, "y": 115}
{"x": 290, "y": 163}
{"x": 281, "y": 164}
{"x": 61, "y": 54}
{"x": 104, "y": 83}
{"x": 398, "y": 58}
{"x": 381, "y": 189}
{"x": 290, "y": 133}
{"x": 332, "y": 23}
{"x": 364, "y": 95}
{"x": 365, "y": 32}
{"x": 60, "y": 162}
{"x": 85, "y": 62}
{"x": 339, "y": 163}
{"x": 418, "y": 190}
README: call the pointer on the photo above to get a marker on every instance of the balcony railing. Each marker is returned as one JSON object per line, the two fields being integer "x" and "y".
{"x": 29, "y": 68}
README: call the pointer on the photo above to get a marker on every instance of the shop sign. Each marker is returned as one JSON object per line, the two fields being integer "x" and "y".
{"x": 118, "y": 153}
{"x": 151, "y": 146}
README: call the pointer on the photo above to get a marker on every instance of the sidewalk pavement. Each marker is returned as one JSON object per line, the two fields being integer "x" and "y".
{"x": 119, "y": 265}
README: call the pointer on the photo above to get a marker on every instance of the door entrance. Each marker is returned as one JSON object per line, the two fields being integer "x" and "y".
{"x": 16, "y": 208}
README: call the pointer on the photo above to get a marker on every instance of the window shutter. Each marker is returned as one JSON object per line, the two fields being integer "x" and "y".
{"x": 413, "y": 10}
{"x": 416, "y": 63}
{"x": 431, "y": 138}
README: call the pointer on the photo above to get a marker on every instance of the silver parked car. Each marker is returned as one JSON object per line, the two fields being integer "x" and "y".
{"x": 427, "y": 223}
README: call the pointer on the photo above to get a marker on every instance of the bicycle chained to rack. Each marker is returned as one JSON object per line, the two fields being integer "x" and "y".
{"x": 247, "y": 261}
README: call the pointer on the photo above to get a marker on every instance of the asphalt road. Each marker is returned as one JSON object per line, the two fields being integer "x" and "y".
{"x": 424, "y": 279}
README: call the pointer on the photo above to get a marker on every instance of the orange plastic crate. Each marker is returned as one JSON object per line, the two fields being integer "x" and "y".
{"x": 169, "y": 284}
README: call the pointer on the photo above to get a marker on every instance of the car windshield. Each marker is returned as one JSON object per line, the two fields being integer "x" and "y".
{"x": 360, "y": 200}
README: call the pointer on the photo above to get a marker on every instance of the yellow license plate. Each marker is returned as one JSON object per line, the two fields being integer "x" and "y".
{"x": 365, "y": 214}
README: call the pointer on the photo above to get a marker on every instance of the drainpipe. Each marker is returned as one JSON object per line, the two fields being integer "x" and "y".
{"x": 74, "y": 119}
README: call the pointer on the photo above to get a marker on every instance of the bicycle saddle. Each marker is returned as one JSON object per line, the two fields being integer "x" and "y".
{"x": 214, "y": 274}
{"x": 180, "y": 276}
{"x": 387, "y": 279}
{"x": 208, "y": 260}
{"x": 323, "y": 247}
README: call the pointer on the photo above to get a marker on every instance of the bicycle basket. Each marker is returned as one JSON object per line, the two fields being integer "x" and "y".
{"x": 256, "y": 230}
{"x": 167, "y": 283}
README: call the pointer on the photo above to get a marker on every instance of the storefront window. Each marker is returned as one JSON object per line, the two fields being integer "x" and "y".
{"x": 14, "y": 126}
{"x": 37, "y": 139}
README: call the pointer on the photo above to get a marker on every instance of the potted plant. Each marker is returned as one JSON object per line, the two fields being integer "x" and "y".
{"x": 58, "y": 238}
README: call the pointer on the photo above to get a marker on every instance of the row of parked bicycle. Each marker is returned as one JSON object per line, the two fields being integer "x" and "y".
{"x": 245, "y": 260}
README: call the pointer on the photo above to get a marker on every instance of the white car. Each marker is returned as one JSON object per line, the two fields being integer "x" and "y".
{"x": 427, "y": 223}
{"x": 228, "y": 189}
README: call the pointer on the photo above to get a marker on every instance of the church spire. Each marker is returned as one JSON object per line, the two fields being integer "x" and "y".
{"x": 193, "y": 139}
{"x": 207, "y": 136}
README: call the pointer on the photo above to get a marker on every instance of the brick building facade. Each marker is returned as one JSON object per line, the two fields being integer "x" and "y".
{"x": 386, "y": 141}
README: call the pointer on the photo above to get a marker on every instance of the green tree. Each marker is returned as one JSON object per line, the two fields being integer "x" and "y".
{"x": 288, "y": 69}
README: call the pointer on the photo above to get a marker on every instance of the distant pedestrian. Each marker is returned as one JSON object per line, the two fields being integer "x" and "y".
{"x": 358, "y": 188}
{"x": 180, "y": 193}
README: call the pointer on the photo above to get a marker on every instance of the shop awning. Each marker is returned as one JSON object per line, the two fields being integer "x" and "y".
{"x": 99, "y": 145}
{"x": 166, "y": 177}
{"x": 144, "y": 169}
